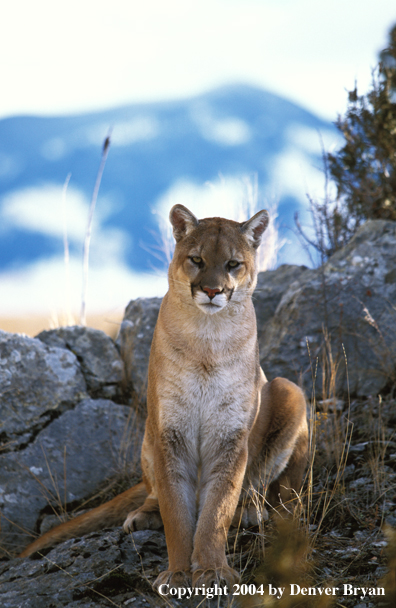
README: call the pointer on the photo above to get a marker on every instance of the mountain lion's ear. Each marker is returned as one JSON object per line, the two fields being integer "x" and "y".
{"x": 254, "y": 228}
{"x": 182, "y": 220}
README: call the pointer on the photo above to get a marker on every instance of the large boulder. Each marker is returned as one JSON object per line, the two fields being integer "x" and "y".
{"x": 66, "y": 464}
{"x": 271, "y": 285}
{"x": 37, "y": 383}
{"x": 134, "y": 342}
{"x": 339, "y": 321}
{"x": 99, "y": 358}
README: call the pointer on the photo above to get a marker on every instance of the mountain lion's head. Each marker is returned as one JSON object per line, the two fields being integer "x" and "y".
{"x": 214, "y": 259}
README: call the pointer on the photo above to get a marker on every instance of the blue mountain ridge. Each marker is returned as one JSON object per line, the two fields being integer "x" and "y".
{"x": 39, "y": 150}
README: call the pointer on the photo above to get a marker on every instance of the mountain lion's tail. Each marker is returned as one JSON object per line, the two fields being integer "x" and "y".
{"x": 112, "y": 513}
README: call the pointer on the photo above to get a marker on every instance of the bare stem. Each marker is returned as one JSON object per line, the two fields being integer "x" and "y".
{"x": 87, "y": 240}
{"x": 66, "y": 255}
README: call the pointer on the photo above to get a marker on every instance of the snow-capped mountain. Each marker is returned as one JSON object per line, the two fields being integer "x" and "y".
{"x": 196, "y": 151}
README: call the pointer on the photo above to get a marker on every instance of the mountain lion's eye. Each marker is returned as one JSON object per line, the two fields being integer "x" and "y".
{"x": 233, "y": 264}
{"x": 196, "y": 259}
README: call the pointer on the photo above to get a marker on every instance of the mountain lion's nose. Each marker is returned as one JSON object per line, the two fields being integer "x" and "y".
{"x": 211, "y": 292}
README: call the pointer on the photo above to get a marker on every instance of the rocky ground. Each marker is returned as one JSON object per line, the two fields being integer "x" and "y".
{"x": 72, "y": 406}
{"x": 354, "y": 495}
{"x": 350, "y": 494}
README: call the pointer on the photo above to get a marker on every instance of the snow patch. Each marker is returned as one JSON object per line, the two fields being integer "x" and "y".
{"x": 48, "y": 287}
{"x": 39, "y": 209}
{"x": 227, "y": 131}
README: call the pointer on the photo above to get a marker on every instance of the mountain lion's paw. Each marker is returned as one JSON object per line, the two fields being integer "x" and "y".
{"x": 142, "y": 520}
{"x": 172, "y": 580}
{"x": 221, "y": 576}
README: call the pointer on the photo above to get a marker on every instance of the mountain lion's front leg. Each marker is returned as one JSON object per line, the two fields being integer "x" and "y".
{"x": 176, "y": 475}
{"x": 221, "y": 480}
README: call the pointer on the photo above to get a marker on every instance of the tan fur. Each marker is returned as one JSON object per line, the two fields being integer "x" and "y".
{"x": 216, "y": 429}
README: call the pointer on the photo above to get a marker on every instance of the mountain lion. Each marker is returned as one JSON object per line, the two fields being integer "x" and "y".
{"x": 215, "y": 429}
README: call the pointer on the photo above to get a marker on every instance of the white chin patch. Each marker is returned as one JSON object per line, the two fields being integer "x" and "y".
{"x": 208, "y": 306}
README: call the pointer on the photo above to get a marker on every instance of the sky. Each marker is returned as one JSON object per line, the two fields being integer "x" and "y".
{"x": 81, "y": 55}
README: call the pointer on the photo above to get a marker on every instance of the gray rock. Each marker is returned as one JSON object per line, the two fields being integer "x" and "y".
{"x": 99, "y": 358}
{"x": 271, "y": 285}
{"x": 100, "y": 569}
{"x": 134, "y": 342}
{"x": 346, "y": 305}
{"x": 67, "y": 463}
{"x": 36, "y": 382}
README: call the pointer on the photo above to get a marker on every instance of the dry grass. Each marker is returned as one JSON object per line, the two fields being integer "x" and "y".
{"x": 333, "y": 534}
{"x": 33, "y": 324}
